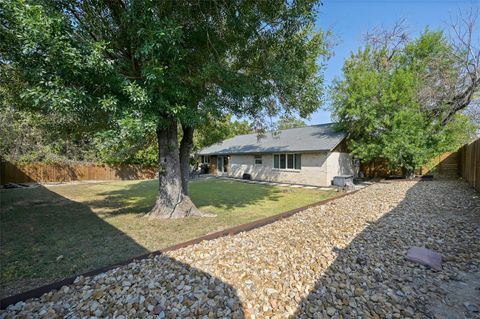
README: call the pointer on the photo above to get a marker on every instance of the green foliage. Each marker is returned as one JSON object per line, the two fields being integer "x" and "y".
{"x": 287, "y": 122}
{"x": 26, "y": 137}
{"x": 380, "y": 103}
{"x": 132, "y": 141}
{"x": 218, "y": 130}
{"x": 407, "y": 143}
{"x": 461, "y": 130}
{"x": 59, "y": 74}
{"x": 96, "y": 62}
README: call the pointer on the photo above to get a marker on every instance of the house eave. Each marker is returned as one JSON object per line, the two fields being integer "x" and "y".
{"x": 264, "y": 152}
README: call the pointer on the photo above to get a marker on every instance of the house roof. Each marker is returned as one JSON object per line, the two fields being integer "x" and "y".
{"x": 321, "y": 137}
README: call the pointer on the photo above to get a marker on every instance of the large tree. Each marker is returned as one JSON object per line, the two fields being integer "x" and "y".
{"x": 173, "y": 63}
{"x": 400, "y": 99}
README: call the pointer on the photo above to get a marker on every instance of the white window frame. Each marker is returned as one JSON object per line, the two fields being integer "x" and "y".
{"x": 256, "y": 157}
{"x": 206, "y": 159}
{"x": 286, "y": 162}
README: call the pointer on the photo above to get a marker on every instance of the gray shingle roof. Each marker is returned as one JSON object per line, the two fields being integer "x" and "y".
{"x": 306, "y": 139}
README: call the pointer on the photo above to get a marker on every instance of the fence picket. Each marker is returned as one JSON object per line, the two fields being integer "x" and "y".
{"x": 39, "y": 172}
{"x": 469, "y": 163}
{"x": 464, "y": 163}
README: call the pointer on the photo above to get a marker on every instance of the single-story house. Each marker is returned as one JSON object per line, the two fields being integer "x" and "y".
{"x": 310, "y": 155}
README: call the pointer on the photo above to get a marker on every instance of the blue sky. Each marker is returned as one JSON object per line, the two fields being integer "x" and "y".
{"x": 349, "y": 20}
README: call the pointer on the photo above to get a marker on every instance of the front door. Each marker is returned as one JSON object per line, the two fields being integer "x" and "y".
{"x": 222, "y": 163}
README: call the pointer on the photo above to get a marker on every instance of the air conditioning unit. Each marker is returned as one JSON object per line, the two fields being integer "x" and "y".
{"x": 247, "y": 176}
{"x": 343, "y": 180}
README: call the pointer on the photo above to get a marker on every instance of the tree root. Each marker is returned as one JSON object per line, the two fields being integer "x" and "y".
{"x": 184, "y": 208}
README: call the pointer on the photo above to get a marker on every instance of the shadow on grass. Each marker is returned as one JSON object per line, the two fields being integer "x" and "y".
{"x": 226, "y": 194}
{"x": 47, "y": 237}
{"x": 140, "y": 197}
{"x": 137, "y": 198}
{"x": 370, "y": 278}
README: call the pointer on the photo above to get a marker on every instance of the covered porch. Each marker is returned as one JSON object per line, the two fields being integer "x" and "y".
{"x": 218, "y": 165}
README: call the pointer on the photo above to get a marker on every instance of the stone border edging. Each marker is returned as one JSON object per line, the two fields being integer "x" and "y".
{"x": 37, "y": 292}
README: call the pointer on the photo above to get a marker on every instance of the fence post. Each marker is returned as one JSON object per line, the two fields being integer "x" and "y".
{"x": 2, "y": 171}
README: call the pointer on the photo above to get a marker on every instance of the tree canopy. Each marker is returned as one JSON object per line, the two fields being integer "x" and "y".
{"x": 181, "y": 60}
{"x": 218, "y": 130}
{"x": 392, "y": 105}
{"x": 286, "y": 122}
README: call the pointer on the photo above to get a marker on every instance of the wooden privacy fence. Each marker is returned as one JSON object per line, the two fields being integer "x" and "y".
{"x": 469, "y": 164}
{"x": 464, "y": 163}
{"x": 445, "y": 166}
{"x": 68, "y": 172}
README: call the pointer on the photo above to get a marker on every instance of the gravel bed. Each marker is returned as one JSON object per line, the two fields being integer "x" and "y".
{"x": 345, "y": 259}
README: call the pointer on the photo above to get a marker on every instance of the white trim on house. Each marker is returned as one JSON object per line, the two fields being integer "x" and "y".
{"x": 204, "y": 159}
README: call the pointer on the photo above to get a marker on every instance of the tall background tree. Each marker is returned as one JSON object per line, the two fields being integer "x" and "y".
{"x": 30, "y": 136}
{"x": 401, "y": 100}
{"x": 217, "y": 130}
{"x": 286, "y": 122}
{"x": 171, "y": 63}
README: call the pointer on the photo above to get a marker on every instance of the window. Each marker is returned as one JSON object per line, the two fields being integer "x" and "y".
{"x": 298, "y": 161}
{"x": 283, "y": 161}
{"x": 204, "y": 159}
{"x": 287, "y": 161}
{"x": 290, "y": 161}
{"x": 258, "y": 159}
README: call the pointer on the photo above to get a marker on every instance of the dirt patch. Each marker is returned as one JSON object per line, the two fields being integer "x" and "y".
{"x": 462, "y": 298}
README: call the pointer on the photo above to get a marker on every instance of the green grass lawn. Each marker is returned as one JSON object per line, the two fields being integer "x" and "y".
{"x": 48, "y": 233}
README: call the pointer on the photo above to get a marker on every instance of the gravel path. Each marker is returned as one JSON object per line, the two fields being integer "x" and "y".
{"x": 341, "y": 260}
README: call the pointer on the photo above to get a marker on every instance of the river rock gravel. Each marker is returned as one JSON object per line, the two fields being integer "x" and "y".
{"x": 345, "y": 259}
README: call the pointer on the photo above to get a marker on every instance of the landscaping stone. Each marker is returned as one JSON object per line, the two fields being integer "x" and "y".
{"x": 425, "y": 256}
{"x": 345, "y": 259}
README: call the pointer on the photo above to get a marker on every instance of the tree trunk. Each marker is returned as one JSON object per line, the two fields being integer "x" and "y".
{"x": 185, "y": 148}
{"x": 408, "y": 173}
{"x": 171, "y": 201}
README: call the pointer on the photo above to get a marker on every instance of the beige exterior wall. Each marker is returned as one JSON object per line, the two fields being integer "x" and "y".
{"x": 317, "y": 168}
{"x": 339, "y": 164}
